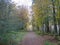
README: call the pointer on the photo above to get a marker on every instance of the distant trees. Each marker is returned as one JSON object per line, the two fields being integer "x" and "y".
{"x": 22, "y": 14}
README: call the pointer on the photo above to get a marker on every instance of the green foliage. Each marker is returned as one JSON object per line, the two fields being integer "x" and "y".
{"x": 49, "y": 43}
{"x": 46, "y": 12}
{"x": 12, "y": 38}
{"x": 57, "y": 38}
{"x": 39, "y": 32}
{"x": 11, "y": 18}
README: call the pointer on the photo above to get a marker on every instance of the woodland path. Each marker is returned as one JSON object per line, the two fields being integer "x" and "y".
{"x": 32, "y": 39}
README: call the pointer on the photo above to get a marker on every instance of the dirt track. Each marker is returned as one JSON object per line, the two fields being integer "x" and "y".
{"x": 32, "y": 39}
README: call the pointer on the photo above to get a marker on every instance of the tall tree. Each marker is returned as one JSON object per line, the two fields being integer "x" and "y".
{"x": 54, "y": 16}
{"x": 40, "y": 8}
{"x": 4, "y": 5}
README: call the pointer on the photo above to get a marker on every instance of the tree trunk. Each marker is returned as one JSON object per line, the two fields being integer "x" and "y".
{"x": 59, "y": 25}
{"x": 47, "y": 27}
{"x": 54, "y": 18}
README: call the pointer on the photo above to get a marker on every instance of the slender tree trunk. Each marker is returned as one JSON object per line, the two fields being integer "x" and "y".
{"x": 47, "y": 27}
{"x": 54, "y": 18}
{"x": 59, "y": 16}
{"x": 59, "y": 25}
{"x": 59, "y": 29}
{"x": 38, "y": 28}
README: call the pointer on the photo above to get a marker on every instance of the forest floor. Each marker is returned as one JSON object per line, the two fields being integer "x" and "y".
{"x": 31, "y": 38}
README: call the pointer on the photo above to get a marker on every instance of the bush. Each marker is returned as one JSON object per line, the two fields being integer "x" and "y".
{"x": 49, "y": 43}
{"x": 12, "y": 38}
{"x": 39, "y": 32}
